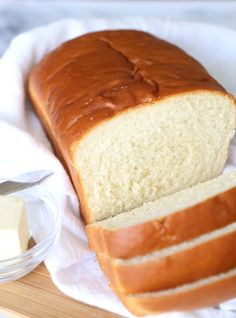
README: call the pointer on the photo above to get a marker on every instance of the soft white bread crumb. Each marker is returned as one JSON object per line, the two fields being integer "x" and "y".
{"x": 154, "y": 150}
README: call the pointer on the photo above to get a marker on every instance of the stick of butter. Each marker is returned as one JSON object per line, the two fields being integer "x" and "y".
{"x": 14, "y": 230}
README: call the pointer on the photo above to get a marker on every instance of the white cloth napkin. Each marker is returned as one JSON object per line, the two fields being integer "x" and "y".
{"x": 24, "y": 146}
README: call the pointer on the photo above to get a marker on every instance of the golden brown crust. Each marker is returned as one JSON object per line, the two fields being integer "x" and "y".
{"x": 126, "y": 242}
{"x": 94, "y": 77}
{"x": 62, "y": 154}
{"x": 205, "y": 296}
{"x": 207, "y": 259}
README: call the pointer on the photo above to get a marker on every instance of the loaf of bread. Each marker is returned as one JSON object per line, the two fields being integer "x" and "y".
{"x": 134, "y": 118}
{"x": 206, "y": 292}
{"x": 179, "y": 217}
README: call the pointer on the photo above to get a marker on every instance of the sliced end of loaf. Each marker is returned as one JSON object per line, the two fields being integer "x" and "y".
{"x": 168, "y": 205}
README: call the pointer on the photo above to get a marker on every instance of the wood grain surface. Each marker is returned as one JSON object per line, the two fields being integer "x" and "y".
{"x": 35, "y": 296}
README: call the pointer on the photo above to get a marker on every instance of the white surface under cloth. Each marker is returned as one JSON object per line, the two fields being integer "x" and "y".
{"x": 24, "y": 146}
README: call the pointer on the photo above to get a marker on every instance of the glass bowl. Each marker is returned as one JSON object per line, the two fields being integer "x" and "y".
{"x": 44, "y": 226}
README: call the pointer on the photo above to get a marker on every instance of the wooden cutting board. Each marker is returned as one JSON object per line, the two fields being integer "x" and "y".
{"x": 35, "y": 296}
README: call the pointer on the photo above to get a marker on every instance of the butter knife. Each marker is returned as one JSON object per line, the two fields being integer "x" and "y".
{"x": 24, "y": 181}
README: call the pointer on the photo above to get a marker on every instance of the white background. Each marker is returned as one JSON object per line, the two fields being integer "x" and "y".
{"x": 20, "y": 15}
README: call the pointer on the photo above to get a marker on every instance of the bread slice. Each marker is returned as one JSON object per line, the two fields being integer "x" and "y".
{"x": 204, "y": 256}
{"x": 206, "y": 292}
{"x": 133, "y": 117}
{"x": 168, "y": 221}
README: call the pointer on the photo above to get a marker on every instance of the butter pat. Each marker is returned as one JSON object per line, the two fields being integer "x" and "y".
{"x": 14, "y": 230}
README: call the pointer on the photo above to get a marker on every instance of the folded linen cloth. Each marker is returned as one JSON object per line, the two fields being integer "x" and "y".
{"x": 25, "y": 147}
